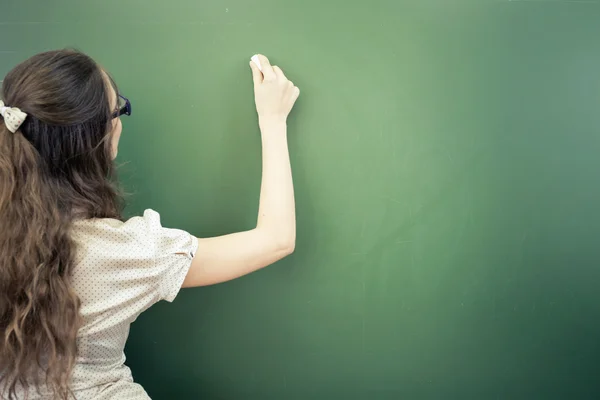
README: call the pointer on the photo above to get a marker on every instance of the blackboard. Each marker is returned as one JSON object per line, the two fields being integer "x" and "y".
{"x": 446, "y": 162}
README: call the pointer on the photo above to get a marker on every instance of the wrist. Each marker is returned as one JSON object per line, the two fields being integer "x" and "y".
{"x": 272, "y": 121}
{"x": 273, "y": 128}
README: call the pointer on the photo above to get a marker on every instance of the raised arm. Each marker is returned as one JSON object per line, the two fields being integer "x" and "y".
{"x": 223, "y": 258}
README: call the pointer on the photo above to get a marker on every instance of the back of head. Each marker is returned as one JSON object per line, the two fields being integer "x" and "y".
{"x": 55, "y": 168}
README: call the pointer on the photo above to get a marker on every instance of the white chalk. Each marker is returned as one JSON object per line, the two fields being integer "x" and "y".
{"x": 256, "y": 61}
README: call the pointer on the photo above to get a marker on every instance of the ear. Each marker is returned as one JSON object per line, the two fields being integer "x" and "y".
{"x": 115, "y": 137}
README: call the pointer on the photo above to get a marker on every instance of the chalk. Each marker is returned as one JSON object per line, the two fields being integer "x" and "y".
{"x": 256, "y": 61}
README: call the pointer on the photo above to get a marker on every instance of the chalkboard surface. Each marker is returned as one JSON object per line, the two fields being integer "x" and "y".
{"x": 446, "y": 163}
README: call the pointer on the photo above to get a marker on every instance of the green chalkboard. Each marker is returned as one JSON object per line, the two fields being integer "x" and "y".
{"x": 446, "y": 158}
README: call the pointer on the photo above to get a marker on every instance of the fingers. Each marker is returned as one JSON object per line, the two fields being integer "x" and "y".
{"x": 293, "y": 90}
{"x": 257, "y": 76}
{"x": 295, "y": 93}
{"x": 269, "y": 72}
{"x": 267, "y": 69}
{"x": 279, "y": 73}
{"x": 272, "y": 73}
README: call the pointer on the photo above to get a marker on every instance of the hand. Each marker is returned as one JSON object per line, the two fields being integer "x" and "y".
{"x": 274, "y": 94}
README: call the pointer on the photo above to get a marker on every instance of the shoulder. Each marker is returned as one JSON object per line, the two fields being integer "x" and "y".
{"x": 149, "y": 220}
{"x": 138, "y": 229}
{"x": 148, "y": 223}
{"x": 146, "y": 231}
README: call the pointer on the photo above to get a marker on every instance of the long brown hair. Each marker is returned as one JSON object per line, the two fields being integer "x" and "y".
{"x": 57, "y": 167}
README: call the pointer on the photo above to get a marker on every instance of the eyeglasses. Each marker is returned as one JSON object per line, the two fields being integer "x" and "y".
{"x": 124, "y": 107}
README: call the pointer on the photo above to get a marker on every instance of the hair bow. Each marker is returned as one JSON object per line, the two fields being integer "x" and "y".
{"x": 13, "y": 117}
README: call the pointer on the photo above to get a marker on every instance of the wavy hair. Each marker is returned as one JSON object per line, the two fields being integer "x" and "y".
{"x": 56, "y": 168}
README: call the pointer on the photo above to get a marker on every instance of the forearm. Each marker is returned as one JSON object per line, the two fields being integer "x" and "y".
{"x": 223, "y": 258}
{"x": 276, "y": 214}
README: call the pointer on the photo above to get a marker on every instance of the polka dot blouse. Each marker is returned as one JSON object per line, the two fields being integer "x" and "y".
{"x": 122, "y": 268}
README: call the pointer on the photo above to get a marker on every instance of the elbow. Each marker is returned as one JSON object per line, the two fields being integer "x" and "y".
{"x": 286, "y": 246}
{"x": 278, "y": 243}
{"x": 291, "y": 247}
{"x": 284, "y": 242}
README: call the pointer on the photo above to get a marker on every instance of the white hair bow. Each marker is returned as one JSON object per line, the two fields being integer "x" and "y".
{"x": 13, "y": 117}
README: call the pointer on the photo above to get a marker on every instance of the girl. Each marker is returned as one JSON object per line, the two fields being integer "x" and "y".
{"x": 73, "y": 274}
